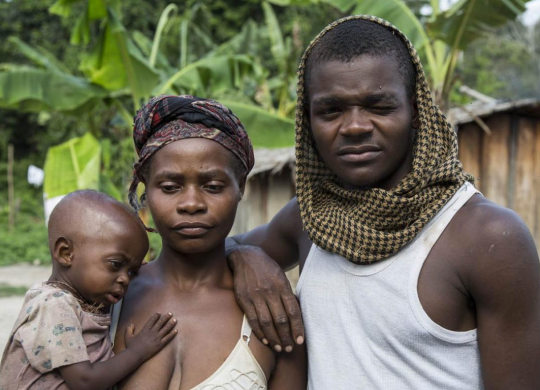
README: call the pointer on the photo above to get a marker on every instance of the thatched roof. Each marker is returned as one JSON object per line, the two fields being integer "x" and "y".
{"x": 274, "y": 160}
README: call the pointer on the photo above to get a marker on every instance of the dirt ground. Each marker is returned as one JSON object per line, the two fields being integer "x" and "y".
{"x": 16, "y": 276}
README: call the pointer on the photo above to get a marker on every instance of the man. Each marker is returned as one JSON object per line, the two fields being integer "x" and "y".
{"x": 410, "y": 279}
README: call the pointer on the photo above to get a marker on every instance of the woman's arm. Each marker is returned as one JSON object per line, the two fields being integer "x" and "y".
{"x": 291, "y": 371}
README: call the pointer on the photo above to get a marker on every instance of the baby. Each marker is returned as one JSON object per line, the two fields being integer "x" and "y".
{"x": 61, "y": 337}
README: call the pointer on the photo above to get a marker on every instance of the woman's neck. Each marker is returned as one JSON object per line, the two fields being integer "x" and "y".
{"x": 191, "y": 272}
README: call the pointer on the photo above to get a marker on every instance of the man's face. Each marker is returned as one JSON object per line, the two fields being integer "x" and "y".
{"x": 361, "y": 120}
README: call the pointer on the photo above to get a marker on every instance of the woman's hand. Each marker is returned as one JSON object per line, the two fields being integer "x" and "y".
{"x": 265, "y": 295}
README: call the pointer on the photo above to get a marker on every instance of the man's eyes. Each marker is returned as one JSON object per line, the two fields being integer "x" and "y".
{"x": 214, "y": 187}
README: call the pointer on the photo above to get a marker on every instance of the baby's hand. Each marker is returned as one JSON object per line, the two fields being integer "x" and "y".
{"x": 156, "y": 334}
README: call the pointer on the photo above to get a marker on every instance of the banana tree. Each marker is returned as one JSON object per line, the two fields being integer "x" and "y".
{"x": 445, "y": 34}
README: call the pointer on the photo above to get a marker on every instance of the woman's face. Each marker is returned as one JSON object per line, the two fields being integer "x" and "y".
{"x": 193, "y": 193}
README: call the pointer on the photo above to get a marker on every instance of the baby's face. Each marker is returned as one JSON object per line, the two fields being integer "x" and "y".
{"x": 106, "y": 260}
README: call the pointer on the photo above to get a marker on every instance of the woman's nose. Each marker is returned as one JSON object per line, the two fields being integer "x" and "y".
{"x": 356, "y": 122}
{"x": 191, "y": 202}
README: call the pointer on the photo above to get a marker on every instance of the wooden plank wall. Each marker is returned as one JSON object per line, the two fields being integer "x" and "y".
{"x": 506, "y": 163}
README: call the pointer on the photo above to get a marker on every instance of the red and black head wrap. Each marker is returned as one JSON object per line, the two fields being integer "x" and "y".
{"x": 168, "y": 118}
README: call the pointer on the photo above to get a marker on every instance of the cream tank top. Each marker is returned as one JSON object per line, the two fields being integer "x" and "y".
{"x": 365, "y": 326}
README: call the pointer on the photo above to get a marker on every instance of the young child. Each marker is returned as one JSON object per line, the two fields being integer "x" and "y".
{"x": 61, "y": 338}
{"x": 194, "y": 157}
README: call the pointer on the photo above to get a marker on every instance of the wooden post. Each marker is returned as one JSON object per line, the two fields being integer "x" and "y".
{"x": 11, "y": 192}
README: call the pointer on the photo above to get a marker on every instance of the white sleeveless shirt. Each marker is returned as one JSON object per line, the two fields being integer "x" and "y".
{"x": 366, "y": 328}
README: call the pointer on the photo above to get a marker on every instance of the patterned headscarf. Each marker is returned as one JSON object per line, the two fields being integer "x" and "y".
{"x": 369, "y": 225}
{"x": 168, "y": 118}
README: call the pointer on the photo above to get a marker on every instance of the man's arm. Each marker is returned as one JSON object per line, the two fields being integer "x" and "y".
{"x": 505, "y": 284}
{"x": 155, "y": 335}
{"x": 261, "y": 287}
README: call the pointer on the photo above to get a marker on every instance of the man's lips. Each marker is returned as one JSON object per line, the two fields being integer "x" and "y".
{"x": 192, "y": 229}
{"x": 361, "y": 153}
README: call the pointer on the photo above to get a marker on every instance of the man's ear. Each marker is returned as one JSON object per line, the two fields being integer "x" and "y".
{"x": 415, "y": 115}
{"x": 63, "y": 252}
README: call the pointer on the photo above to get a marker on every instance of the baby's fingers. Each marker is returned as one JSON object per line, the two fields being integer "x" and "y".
{"x": 168, "y": 327}
{"x": 161, "y": 322}
{"x": 152, "y": 321}
{"x": 168, "y": 337}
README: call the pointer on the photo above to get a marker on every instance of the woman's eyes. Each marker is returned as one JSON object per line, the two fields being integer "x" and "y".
{"x": 214, "y": 187}
{"x": 169, "y": 187}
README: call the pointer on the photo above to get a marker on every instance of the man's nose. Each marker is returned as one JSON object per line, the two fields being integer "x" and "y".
{"x": 191, "y": 201}
{"x": 356, "y": 122}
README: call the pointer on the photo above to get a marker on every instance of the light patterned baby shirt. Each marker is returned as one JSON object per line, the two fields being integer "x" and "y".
{"x": 51, "y": 331}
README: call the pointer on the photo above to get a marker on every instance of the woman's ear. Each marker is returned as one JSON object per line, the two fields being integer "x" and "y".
{"x": 63, "y": 252}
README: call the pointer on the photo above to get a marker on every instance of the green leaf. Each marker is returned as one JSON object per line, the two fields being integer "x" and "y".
{"x": 468, "y": 20}
{"x": 63, "y": 7}
{"x": 265, "y": 130}
{"x": 30, "y": 89}
{"x": 116, "y": 63}
{"x": 212, "y": 75}
{"x": 72, "y": 166}
{"x": 279, "y": 51}
{"x": 342, "y": 5}
{"x": 39, "y": 56}
{"x": 399, "y": 14}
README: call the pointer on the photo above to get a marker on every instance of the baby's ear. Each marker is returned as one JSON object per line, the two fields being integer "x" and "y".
{"x": 63, "y": 252}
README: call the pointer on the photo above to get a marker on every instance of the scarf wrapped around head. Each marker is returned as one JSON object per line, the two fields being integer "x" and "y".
{"x": 369, "y": 225}
{"x": 168, "y": 118}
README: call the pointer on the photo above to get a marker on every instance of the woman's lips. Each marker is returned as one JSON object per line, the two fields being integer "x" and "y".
{"x": 192, "y": 229}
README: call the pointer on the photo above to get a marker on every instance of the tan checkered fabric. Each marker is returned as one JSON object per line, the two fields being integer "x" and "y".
{"x": 370, "y": 225}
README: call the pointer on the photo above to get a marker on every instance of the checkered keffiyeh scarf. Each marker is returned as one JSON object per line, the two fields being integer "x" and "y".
{"x": 369, "y": 225}
{"x": 168, "y": 118}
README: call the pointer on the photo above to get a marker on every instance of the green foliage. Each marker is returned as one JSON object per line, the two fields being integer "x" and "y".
{"x": 28, "y": 242}
{"x": 503, "y": 65}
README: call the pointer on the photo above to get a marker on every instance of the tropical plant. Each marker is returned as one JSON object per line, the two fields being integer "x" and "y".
{"x": 444, "y": 35}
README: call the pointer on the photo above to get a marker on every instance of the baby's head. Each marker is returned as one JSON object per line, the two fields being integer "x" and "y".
{"x": 97, "y": 245}
{"x": 194, "y": 157}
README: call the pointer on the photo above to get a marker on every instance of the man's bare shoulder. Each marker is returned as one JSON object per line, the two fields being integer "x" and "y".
{"x": 490, "y": 238}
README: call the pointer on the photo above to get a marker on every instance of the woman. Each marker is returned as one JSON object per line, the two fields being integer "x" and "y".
{"x": 194, "y": 157}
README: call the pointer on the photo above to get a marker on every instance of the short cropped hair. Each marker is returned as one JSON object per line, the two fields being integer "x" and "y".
{"x": 357, "y": 37}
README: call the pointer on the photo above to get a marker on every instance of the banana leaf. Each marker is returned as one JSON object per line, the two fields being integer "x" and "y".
{"x": 71, "y": 166}
{"x": 30, "y": 89}
{"x": 468, "y": 20}
{"x": 266, "y": 130}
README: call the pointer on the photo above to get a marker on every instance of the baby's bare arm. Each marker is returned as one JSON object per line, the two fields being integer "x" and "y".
{"x": 155, "y": 335}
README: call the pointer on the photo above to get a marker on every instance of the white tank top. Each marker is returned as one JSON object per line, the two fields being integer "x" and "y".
{"x": 366, "y": 328}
